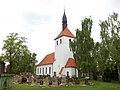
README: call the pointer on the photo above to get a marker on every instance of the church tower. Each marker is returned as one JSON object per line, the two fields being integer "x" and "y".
{"x": 60, "y": 62}
{"x": 64, "y": 21}
{"x": 62, "y": 50}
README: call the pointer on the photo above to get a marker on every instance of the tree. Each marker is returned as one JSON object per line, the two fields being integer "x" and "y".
{"x": 95, "y": 58}
{"x": 104, "y": 62}
{"x": 31, "y": 63}
{"x": 17, "y": 54}
{"x": 82, "y": 47}
{"x": 110, "y": 36}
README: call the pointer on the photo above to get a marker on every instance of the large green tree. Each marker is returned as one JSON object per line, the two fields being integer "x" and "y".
{"x": 95, "y": 59}
{"x": 114, "y": 27}
{"x": 16, "y": 52}
{"x": 82, "y": 47}
{"x": 104, "y": 61}
{"x": 110, "y": 43}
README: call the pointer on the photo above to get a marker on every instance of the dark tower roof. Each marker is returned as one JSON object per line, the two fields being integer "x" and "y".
{"x": 64, "y": 21}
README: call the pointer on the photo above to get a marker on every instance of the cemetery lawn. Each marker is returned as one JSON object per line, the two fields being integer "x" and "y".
{"x": 98, "y": 85}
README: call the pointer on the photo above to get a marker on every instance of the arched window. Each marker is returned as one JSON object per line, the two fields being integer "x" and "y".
{"x": 57, "y": 42}
{"x": 43, "y": 70}
{"x": 46, "y": 70}
{"x": 49, "y": 70}
{"x": 60, "y": 41}
{"x": 40, "y": 70}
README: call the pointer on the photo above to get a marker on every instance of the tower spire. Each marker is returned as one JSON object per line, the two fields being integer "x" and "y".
{"x": 64, "y": 21}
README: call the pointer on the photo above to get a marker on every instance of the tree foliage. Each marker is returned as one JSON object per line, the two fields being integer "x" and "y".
{"x": 110, "y": 42}
{"x": 17, "y": 54}
{"x": 82, "y": 47}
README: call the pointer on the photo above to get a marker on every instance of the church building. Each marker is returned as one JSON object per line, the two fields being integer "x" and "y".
{"x": 60, "y": 62}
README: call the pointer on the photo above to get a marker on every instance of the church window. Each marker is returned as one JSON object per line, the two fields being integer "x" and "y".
{"x": 46, "y": 70}
{"x": 60, "y": 41}
{"x": 40, "y": 70}
{"x": 57, "y": 42}
{"x": 43, "y": 70}
{"x": 69, "y": 43}
{"x": 49, "y": 70}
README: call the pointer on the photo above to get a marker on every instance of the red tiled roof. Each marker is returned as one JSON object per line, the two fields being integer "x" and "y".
{"x": 48, "y": 59}
{"x": 61, "y": 70}
{"x": 70, "y": 63}
{"x": 65, "y": 32}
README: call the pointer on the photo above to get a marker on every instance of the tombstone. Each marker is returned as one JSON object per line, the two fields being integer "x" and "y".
{"x": 59, "y": 79}
{"x": 54, "y": 74}
{"x": 55, "y": 81}
{"x": 41, "y": 80}
{"x": 86, "y": 80}
{"x": 50, "y": 80}
{"x": 77, "y": 81}
{"x": 29, "y": 80}
{"x": 67, "y": 80}
{"x": 63, "y": 81}
{"x": 46, "y": 81}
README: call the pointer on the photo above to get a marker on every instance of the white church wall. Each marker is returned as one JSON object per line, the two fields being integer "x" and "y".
{"x": 44, "y": 70}
{"x": 59, "y": 52}
{"x": 71, "y": 72}
{"x": 62, "y": 53}
{"x": 67, "y": 53}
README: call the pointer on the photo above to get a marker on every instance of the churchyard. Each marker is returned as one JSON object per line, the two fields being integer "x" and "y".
{"x": 47, "y": 80}
{"x": 98, "y": 85}
{"x": 29, "y": 81}
{"x": 25, "y": 81}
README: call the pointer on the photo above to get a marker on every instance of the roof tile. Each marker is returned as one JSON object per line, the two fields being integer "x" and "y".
{"x": 70, "y": 63}
{"x": 65, "y": 32}
{"x": 48, "y": 59}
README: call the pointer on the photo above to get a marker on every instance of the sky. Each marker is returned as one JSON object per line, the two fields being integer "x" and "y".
{"x": 40, "y": 21}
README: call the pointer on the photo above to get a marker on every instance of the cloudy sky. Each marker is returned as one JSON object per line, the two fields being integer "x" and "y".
{"x": 40, "y": 21}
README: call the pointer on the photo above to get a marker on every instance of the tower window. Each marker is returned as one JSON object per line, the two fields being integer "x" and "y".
{"x": 60, "y": 41}
{"x": 57, "y": 42}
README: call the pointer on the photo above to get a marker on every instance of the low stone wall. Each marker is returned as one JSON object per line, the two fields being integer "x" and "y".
{"x": 42, "y": 80}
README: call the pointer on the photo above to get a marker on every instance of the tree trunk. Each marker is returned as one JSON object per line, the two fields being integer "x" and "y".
{"x": 119, "y": 73}
{"x": 79, "y": 74}
{"x": 10, "y": 69}
{"x": 2, "y": 67}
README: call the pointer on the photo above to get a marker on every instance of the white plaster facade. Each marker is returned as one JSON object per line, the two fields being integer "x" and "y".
{"x": 71, "y": 72}
{"x": 62, "y": 54}
{"x": 44, "y": 70}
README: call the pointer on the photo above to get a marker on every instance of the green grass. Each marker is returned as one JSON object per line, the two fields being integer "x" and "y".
{"x": 98, "y": 85}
